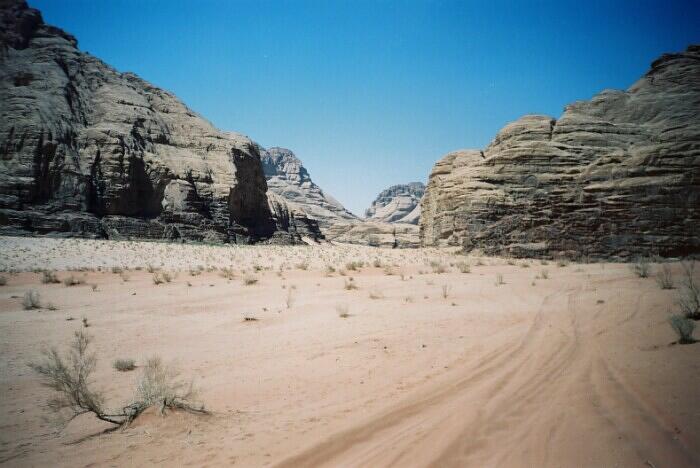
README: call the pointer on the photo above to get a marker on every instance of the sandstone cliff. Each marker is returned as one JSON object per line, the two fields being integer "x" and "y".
{"x": 397, "y": 204}
{"x": 287, "y": 177}
{"x": 616, "y": 176}
{"x": 86, "y": 150}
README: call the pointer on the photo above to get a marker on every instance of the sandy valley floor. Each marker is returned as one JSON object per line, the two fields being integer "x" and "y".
{"x": 426, "y": 369}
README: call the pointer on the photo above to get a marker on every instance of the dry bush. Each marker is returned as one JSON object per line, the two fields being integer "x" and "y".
{"x": 684, "y": 328}
{"x": 641, "y": 268}
{"x": 227, "y": 273}
{"x": 73, "y": 281}
{"x": 157, "y": 278}
{"x": 117, "y": 270}
{"x": 464, "y": 267}
{"x": 124, "y": 365}
{"x": 302, "y": 266}
{"x": 69, "y": 375}
{"x": 31, "y": 300}
{"x": 664, "y": 278}
{"x": 689, "y": 295}
{"x": 342, "y": 311}
{"x": 438, "y": 267}
{"x": 3, "y": 281}
{"x": 446, "y": 288}
{"x": 354, "y": 266}
{"x": 376, "y": 295}
{"x": 250, "y": 280}
{"x": 544, "y": 274}
{"x": 167, "y": 276}
{"x": 49, "y": 277}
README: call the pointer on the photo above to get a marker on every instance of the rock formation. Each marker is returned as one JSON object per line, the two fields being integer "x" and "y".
{"x": 397, "y": 204}
{"x": 289, "y": 181}
{"x": 88, "y": 151}
{"x": 616, "y": 176}
{"x": 287, "y": 177}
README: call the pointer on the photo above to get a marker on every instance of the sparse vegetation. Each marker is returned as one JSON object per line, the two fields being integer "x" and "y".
{"x": 642, "y": 268}
{"x": 158, "y": 278}
{"x": 664, "y": 277}
{"x": 684, "y": 328}
{"x": 3, "y": 281}
{"x": 69, "y": 375}
{"x": 31, "y": 300}
{"x": 124, "y": 365}
{"x": 446, "y": 289}
{"x": 342, "y": 311}
{"x": 499, "y": 279}
{"x": 350, "y": 284}
{"x": 354, "y": 266}
{"x": 250, "y": 280}
{"x": 73, "y": 281}
{"x": 689, "y": 295}
{"x": 464, "y": 267}
{"x": 49, "y": 277}
{"x": 544, "y": 274}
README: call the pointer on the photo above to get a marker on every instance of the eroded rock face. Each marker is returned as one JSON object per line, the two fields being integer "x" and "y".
{"x": 86, "y": 150}
{"x": 397, "y": 204}
{"x": 287, "y": 177}
{"x": 375, "y": 234}
{"x": 616, "y": 176}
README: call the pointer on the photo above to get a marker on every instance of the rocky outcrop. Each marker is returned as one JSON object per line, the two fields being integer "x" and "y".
{"x": 88, "y": 151}
{"x": 287, "y": 177}
{"x": 375, "y": 234}
{"x": 616, "y": 176}
{"x": 397, "y": 204}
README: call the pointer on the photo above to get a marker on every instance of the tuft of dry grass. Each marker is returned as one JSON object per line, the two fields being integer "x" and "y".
{"x": 49, "y": 277}
{"x": 31, "y": 300}
{"x": 124, "y": 365}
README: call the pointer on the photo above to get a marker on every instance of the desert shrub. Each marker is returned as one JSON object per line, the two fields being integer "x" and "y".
{"x": 31, "y": 300}
{"x": 49, "y": 277}
{"x": 353, "y": 266}
{"x": 250, "y": 280}
{"x": 72, "y": 281}
{"x": 641, "y": 268}
{"x": 350, "y": 284}
{"x": 376, "y": 295}
{"x": 446, "y": 288}
{"x": 561, "y": 263}
{"x": 684, "y": 328}
{"x": 3, "y": 281}
{"x": 151, "y": 269}
{"x": 438, "y": 267}
{"x": 302, "y": 266}
{"x": 464, "y": 267}
{"x": 664, "y": 278}
{"x": 227, "y": 273}
{"x": 524, "y": 265}
{"x": 69, "y": 375}
{"x": 51, "y": 306}
{"x": 167, "y": 276}
{"x": 342, "y": 311}
{"x": 499, "y": 279}
{"x": 158, "y": 278}
{"x": 377, "y": 263}
{"x": 544, "y": 274}
{"x": 117, "y": 270}
{"x": 689, "y": 295}
{"x": 124, "y": 365}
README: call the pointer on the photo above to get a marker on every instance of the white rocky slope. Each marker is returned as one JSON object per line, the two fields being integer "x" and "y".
{"x": 397, "y": 204}
{"x": 287, "y": 177}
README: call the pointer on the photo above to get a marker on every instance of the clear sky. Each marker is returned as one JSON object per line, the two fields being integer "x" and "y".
{"x": 372, "y": 93}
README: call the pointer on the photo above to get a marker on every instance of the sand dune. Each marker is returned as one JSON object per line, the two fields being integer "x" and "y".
{"x": 428, "y": 369}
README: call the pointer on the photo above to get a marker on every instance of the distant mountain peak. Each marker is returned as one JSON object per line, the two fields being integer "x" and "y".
{"x": 397, "y": 204}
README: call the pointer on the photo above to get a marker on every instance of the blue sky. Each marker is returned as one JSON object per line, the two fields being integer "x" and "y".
{"x": 372, "y": 93}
